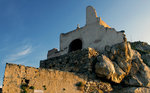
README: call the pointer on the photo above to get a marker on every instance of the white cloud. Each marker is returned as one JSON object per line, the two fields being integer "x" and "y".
{"x": 22, "y": 53}
{"x": 1, "y": 86}
{"x": 18, "y": 54}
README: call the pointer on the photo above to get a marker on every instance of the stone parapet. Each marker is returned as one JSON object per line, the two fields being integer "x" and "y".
{"x": 80, "y": 62}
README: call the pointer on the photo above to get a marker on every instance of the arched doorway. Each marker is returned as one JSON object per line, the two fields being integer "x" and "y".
{"x": 75, "y": 45}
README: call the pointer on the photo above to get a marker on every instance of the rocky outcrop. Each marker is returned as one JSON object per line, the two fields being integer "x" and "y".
{"x": 104, "y": 68}
{"x": 117, "y": 69}
{"x": 115, "y": 64}
{"x": 139, "y": 74}
{"x": 144, "y": 49}
{"x": 118, "y": 63}
{"x": 123, "y": 63}
{"x": 146, "y": 59}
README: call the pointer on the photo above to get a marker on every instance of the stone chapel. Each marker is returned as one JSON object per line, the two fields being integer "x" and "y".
{"x": 95, "y": 34}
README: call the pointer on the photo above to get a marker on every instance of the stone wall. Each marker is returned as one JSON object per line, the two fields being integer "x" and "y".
{"x": 49, "y": 81}
{"x": 53, "y": 53}
{"x": 36, "y": 80}
{"x": 79, "y": 62}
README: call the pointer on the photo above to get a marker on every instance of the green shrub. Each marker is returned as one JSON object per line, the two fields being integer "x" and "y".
{"x": 32, "y": 87}
{"x": 44, "y": 87}
{"x": 79, "y": 84}
{"x": 24, "y": 86}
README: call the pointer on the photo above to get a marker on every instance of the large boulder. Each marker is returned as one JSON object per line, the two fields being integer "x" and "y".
{"x": 104, "y": 67}
{"x": 108, "y": 69}
{"x": 122, "y": 54}
{"x": 116, "y": 63}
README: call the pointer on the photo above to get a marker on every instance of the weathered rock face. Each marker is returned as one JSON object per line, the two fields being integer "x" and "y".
{"x": 110, "y": 70}
{"x": 144, "y": 49}
{"x": 121, "y": 54}
{"x": 146, "y": 59}
{"x": 104, "y": 68}
{"x": 117, "y": 64}
{"x": 139, "y": 74}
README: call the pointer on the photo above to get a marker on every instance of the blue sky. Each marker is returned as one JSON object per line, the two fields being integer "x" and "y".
{"x": 29, "y": 28}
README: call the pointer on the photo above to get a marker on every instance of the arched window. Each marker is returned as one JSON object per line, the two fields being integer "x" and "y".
{"x": 75, "y": 45}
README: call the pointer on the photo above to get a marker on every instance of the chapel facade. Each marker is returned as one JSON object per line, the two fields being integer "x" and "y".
{"x": 95, "y": 34}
